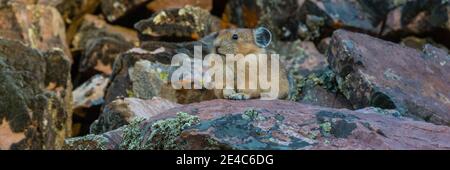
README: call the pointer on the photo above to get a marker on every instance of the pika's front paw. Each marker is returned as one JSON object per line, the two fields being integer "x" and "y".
{"x": 238, "y": 96}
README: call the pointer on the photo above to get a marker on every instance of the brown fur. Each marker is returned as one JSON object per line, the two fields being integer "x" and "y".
{"x": 225, "y": 44}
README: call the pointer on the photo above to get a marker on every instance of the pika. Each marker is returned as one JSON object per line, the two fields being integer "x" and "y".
{"x": 243, "y": 42}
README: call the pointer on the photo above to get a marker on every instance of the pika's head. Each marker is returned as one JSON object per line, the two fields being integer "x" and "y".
{"x": 242, "y": 41}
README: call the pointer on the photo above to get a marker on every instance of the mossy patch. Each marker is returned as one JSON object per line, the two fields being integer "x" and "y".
{"x": 163, "y": 136}
{"x": 88, "y": 142}
{"x": 251, "y": 114}
{"x": 325, "y": 128}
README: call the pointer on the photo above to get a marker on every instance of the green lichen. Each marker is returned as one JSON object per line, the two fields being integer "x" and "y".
{"x": 130, "y": 93}
{"x": 251, "y": 114}
{"x": 325, "y": 128}
{"x": 325, "y": 78}
{"x": 133, "y": 135}
{"x": 88, "y": 142}
{"x": 163, "y": 133}
{"x": 164, "y": 75}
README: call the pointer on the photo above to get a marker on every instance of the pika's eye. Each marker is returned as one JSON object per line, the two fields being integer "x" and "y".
{"x": 235, "y": 36}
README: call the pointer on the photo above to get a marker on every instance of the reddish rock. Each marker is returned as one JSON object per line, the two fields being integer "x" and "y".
{"x": 158, "y": 5}
{"x": 93, "y": 26}
{"x": 90, "y": 93}
{"x": 106, "y": 141}
{"x": 37, "y": 26}
{"x": 419, "y": 17}
{"x": 258, "y": 124}
{"x": 342, "y": 14}
{"x": 191, "y": 23}
{"x": 279, "y": 16}
{"x": 100, "y": 44}
{"x": 114, "y": 9}
{"x": 373, "y": 72}
{"x": 121, "y": 112}
{"x": 73, "y": 10}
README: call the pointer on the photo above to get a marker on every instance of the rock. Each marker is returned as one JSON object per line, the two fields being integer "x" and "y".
{"x": 31, "y": 2}
{"x": 419, "y": 43}
{"x": 413, "y": 82}
{"x": 144, "y": 73}
{"x": 94, "y": 26}
{"x": 37, "y": 26}
{"x": 418, "y": 17}
{"x": 122, "y": 112}
{"x": 114, "y": 9}
{"x": 107, "y": 141}
{"x": 323, "y": 45}
{"x": 315, "y": 82}
{"x": 158, "y": 5}
{"x": 321, "y": 89}
{"x": 191, "y": 23}
{"x": 275, "y": 15}
{"x": 301, "y": 57}
{"x": 100, "y": 44}
{"x": 275, "y": 125}
{"x": 90, "y": 93}
{"x": 87, "y": 103}
{"x": 73, "y": 10}
{"x": 342, "y": 14}
{"x": 35, "y": 110}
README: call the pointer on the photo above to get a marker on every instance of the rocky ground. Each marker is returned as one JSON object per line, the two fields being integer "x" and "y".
{"x": 94, "y": 74}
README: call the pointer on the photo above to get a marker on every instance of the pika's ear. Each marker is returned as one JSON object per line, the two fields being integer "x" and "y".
{"x": 262, "y": 37}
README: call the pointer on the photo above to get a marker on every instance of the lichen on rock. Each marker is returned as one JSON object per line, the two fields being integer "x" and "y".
{"x": 163, "y": 133}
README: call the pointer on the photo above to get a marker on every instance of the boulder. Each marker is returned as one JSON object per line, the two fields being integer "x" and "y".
{"x": 114, "y": 9}
{"x": 122, "y": 112}
{"x": 189, "y": 22}
{"x": 99, "y": 44}
{"x": 373, "y": 72}
{"x": 272, "y": 125}
{"x": 349, "y": 14}
{"x": 87, "y": 103}
{"x": 145, "y": 72}
{"x": 419, "y": 17}
{"x": 158, "y": 5}
{"x": 90, "y": 93}
{"x": 314, "y": 83}
{"x": 279, "y": 16}
{"x": 419, "y": 43}
{"x": 37, "y": 26}
{"x": 107, "y": 141}
{"x": 35, "y": 110}
{"x": 73, "y": 10}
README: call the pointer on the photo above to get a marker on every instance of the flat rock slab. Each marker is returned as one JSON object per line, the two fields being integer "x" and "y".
{"x": 373, "y": 72}
{"x": 258, "y": 124}
{"x": 158, "y": 5}
{"x": 121, "y": 112}
{"x": 190, "y": 23}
